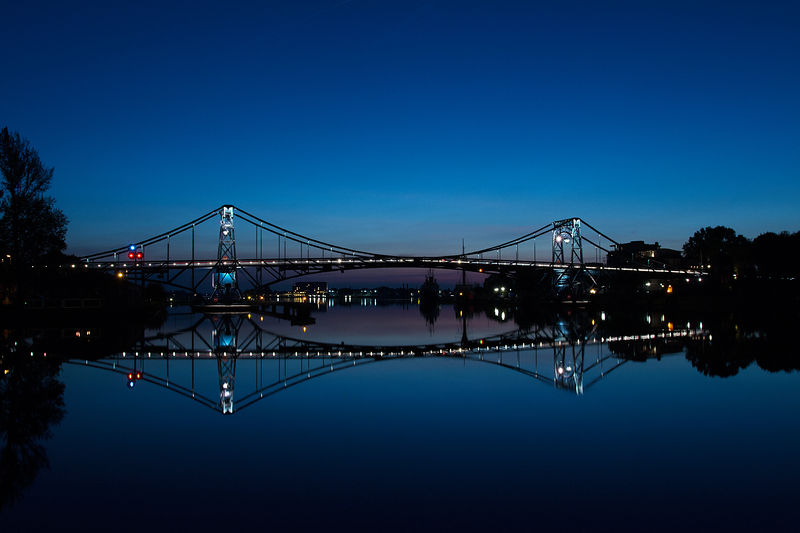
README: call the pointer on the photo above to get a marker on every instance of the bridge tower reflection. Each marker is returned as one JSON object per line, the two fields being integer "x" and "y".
{"x": 224, "y": 337}
{"x": 568, "y": 366}
{"x": 569, "y": 345}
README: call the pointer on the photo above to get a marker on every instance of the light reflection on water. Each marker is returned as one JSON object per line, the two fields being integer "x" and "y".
{"x": 250, "y": 359}
{"x": 490, "y": 438}
{"x": 387, "y": 325}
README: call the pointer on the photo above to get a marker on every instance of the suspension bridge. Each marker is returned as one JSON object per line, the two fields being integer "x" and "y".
{"x": 157, "y": 259}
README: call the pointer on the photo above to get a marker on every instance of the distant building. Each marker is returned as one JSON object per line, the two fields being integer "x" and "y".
{"x": 641, "y": 253}
{"x": 310, "y": 288}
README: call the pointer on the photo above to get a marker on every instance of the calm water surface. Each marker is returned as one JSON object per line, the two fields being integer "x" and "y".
{"x": 578, "y": 433}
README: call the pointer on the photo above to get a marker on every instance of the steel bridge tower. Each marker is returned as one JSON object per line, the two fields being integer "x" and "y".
{"x": 567, "y": 231}
{"x": 568, "y": 252}
{"x": 226, "y": 286}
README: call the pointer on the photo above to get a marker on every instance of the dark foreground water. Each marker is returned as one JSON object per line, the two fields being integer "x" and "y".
{"x": 638, "y": 433}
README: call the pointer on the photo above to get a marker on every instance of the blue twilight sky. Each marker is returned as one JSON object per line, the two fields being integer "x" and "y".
{"x": 405, "y": 126}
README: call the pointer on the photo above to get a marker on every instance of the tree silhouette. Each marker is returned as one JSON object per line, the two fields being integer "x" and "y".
{"x": 719, "y": 247}
{"x": 776, "y": 255}
{"x": 31, "y": 228}
{"x": 31, "y": 401}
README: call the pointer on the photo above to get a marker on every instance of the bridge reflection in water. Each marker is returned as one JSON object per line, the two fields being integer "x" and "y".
{"x": 556, "y": 355}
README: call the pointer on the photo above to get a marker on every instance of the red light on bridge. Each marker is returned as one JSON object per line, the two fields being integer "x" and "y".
{"x": 138, "y": 375}
{"x": 130, "y": 375}
{"x": 139, "y": 255}
{"x": 131, "y": 255}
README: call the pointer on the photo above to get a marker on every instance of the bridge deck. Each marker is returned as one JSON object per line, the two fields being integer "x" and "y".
{"x": 389, "y": 262}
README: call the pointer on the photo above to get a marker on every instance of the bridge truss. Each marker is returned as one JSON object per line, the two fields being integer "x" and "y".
{"x": 297, "y": 255}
